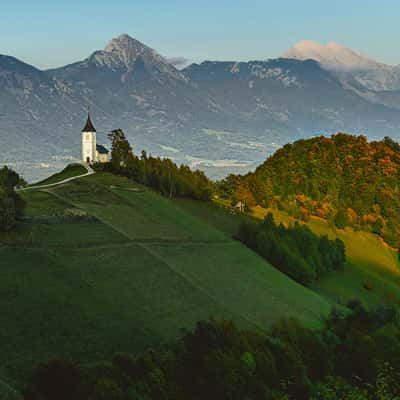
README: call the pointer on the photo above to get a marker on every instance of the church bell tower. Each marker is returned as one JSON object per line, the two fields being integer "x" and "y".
{"x": 89, "y": 154}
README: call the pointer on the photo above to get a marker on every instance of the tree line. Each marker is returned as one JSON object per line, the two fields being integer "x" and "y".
{"x": 10, "y": 203}
{"x": 354, "y": 355}
{"x": 343, "y": 178}
{"x": 294, "y": 250}
{"x": 161, "y": 174}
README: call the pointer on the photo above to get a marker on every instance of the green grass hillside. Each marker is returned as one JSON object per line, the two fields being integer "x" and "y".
{"x": 68, "y": 172}
{"x": 100, "y": 265}
{"x": 372, "y": 272}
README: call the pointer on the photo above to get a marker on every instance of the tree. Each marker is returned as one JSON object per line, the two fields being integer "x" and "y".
{"x": 343, "y": 178}
{"x": 11, "y": 204}
{"x": 295, "y": 250}
{"x": 7, "y": 210}
{"x": 120, "y": 149}
{"x": 341, "y": 218}
{"x": 160, "y": 174}
{"x": 339, "y": 253}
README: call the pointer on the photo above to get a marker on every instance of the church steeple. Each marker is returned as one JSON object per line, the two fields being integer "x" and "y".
{"x": 89, "y": 154}
{"x": 89, "y": 126}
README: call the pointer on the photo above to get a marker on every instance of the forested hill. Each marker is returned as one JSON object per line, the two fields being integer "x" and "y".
{"x": 343, "y": 178}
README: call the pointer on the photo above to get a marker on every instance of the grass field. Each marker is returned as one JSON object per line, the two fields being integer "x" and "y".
{"x": 68, "y": 172}
{"x": 370, "y": 263}
{"x": 40, "y": 203}
{"x": 214, "y": 214}
{"x": 130, "y": 272}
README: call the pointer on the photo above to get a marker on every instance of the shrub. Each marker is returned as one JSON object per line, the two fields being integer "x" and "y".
{"x": 368, "y": 285}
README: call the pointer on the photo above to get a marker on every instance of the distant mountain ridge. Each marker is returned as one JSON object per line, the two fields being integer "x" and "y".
{"x": 219, "y": 116}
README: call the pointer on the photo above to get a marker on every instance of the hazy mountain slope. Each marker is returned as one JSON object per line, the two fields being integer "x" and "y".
{"x": 290, "y": 95}
{"x": 37, "y": 113}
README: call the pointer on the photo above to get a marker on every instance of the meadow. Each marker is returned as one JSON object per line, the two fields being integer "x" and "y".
{"x": 102, "y": 265}
{"x": 372, "y": 272}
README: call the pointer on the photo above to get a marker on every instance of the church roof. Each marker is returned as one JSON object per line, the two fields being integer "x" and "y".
{"x": 101, "y": 149}
{"x": 89, "y": 126}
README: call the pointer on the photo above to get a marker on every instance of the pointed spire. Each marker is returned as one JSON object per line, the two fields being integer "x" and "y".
{"x": 89, "y": 125}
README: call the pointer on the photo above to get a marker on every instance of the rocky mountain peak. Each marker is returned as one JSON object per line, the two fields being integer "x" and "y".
{"x": 125, "y": 50}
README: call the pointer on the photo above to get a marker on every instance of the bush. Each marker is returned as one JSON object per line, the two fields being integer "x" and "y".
{"x": 367, "y": 285}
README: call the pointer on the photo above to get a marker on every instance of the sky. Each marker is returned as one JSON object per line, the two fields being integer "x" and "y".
{"x": 51, "y": 33}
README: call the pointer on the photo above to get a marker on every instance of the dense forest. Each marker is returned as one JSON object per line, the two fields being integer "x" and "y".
{"x": 295, "y": 250}
{"x": 343, "y": 178}
{"x": 10, "y": 203}
{"x": 159, "y": 173}
{"x": 353, "y": 356}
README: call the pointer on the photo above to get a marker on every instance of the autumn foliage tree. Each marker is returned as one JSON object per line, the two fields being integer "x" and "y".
{"x": 343, "y": 178}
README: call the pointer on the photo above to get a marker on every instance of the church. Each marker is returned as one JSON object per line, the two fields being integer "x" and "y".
{"x": 91, "y": 151}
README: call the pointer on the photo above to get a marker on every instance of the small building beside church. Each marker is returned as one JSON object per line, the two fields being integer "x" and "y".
{"x": 91, "y": 151}
{"x": 102, "y": 153}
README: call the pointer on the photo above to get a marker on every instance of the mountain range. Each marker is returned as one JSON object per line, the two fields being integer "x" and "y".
{"x": 220, "y": 116}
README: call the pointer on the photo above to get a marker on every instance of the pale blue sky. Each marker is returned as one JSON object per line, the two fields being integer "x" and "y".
{"x": 51, "y": 33}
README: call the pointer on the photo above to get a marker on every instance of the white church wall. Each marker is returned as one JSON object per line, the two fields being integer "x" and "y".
{"x": 89, "y": 146}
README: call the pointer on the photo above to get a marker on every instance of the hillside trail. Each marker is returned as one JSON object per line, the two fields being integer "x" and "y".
{"x": 89, "y": 170}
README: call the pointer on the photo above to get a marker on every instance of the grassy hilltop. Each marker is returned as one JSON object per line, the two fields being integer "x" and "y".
{"x": 69, "y": 171}
{"x": 101, "y": 265}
